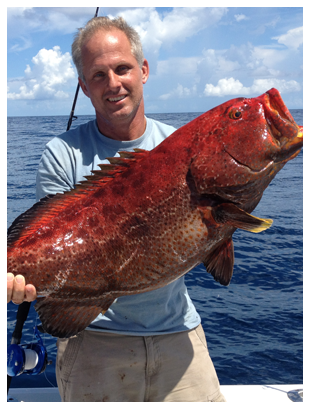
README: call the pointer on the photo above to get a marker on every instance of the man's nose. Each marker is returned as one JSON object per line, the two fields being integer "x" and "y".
{"x": 114, "y": 81}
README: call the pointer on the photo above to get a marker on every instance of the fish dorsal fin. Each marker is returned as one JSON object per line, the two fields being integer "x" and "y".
{"x": 117, "y": 165}
{"x": 220, "y": 262}
{"x": 49, "y": 206}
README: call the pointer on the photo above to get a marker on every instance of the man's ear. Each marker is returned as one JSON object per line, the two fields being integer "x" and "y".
{"x": 145, "y": 71}
{"x": 84, "y": 87}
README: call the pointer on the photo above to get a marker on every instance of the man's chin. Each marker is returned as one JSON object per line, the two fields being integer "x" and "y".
{"x": 124, "y": 113}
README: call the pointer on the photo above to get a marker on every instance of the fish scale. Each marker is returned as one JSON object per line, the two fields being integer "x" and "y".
{"x": 147, "y": 218}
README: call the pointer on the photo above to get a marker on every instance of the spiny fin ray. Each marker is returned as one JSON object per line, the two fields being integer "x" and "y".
{"x": 51, "y": 205}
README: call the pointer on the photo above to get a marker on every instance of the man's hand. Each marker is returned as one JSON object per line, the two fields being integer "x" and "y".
{"x": 18, "y": 291}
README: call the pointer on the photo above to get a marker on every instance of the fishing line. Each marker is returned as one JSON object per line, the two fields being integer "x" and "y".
{"x": 44, "y": 336}
{"x": 72, "y": 116}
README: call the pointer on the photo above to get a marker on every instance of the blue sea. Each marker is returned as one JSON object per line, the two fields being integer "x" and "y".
{"x": 254, "y": 327}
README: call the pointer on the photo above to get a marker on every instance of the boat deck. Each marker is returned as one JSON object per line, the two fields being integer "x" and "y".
{"x": 241, "y": 394}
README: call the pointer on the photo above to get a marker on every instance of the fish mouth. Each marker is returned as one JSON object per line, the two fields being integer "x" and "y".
{"x": 287, "y": 135}
{"x": 253, "y": 171}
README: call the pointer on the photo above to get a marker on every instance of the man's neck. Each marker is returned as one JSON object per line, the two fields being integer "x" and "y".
{"x": 122, "y": 130}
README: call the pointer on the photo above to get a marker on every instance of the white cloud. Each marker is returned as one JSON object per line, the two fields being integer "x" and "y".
{"x": 247, "y": 62}
{"x": 50, "y": 73}
{"x": 223, "y": 60}
{"x": 158, "y": 30}
{"x": 292, "y": 39}
{"x": 236, "y": 65}
{"x": 224, "y": 72}
{"x": 24, "y": 44}
{"x": 36, "y": 19}
{"x": 283, "y": 86}
{"x": 179, "y": 66}
{"x": 225, "y": 86}
{"x": 240, "y": 17}
{"x": 231, "y": 86}
{"x": 180, "y": 92}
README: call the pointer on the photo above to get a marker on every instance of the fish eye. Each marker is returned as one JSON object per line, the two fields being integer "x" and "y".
{"x": 235, "y": 114}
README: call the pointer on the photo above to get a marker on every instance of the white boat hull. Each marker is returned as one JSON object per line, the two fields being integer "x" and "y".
{"x": 241, "y": 394}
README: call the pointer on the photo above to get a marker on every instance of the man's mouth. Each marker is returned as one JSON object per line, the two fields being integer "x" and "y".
{"x": 115, "y": 99}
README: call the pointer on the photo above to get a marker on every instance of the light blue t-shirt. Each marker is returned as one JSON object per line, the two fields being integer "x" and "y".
{"x": 69, "y": 157}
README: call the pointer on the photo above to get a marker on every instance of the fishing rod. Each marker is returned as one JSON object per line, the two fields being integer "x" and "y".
{"x": 21, "y": 316}
{"x": 30, "y": 359}
{"x": 76, "y": 95}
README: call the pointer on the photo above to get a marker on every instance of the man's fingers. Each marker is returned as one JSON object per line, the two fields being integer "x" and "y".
{"x": 18, "y": 295}
{"x": 31, "y": 293}
{"x": 18, "y": 292}
{"x": 10, "y": 278}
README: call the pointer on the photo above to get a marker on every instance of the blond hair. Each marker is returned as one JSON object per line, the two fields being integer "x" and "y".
{"x": 105, "y": 23}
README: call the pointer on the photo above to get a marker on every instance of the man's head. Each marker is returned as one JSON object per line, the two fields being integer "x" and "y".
{"x": 112, "y": 71}
{"x": 105, "y": 23}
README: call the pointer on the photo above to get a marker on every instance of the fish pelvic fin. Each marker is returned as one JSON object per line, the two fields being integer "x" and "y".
{"x": 228, "y": 213}
{"x": 64, "y": 318}
{"x": 220, "y": 262}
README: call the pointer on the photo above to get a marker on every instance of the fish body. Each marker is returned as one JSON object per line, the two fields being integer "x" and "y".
{"x": 148, "y": 218}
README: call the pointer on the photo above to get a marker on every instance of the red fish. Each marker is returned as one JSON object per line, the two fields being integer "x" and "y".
{"x": 148, "y": 218}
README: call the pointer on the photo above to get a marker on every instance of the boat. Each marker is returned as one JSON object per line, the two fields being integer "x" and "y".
{"x": 241, "y": 394}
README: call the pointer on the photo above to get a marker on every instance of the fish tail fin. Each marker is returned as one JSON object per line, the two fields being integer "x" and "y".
{"x": 64, "y": 318}
{"x": 230, "y": 214}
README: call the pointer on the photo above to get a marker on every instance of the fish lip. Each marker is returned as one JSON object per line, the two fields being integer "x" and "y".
{"x": 287, "y": 135}
{"x": 280, "y": 124}
{"x": 272, "y": 129}
{"x": 253, "y": 171}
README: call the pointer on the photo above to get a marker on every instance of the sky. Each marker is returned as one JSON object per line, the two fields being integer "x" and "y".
{"x": 199, "y": 57}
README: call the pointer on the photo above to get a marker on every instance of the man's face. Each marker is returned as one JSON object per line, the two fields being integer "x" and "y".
{"x": 113, "y": 79}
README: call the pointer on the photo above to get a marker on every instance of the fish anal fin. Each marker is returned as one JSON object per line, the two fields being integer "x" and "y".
{"x": 228, "y": 213}
{"x": 64, "y": 318}
{"x": 220, "y": 262}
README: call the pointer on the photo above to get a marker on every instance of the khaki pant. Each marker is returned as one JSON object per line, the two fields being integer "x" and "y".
{"x": 104, "y": 367}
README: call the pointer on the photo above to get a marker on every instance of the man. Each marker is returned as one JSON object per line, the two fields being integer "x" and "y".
{"x": 146, "y": 347}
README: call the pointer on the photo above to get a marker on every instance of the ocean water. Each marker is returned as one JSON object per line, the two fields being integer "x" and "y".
{"x": 254, "y": 327}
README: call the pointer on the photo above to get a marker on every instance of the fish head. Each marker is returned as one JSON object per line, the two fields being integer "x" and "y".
{"x": 260, "y": 130}
{"x": 248, "y": 140}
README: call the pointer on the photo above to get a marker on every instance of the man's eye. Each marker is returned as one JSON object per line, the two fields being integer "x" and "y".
{"x": 122, "y": 69}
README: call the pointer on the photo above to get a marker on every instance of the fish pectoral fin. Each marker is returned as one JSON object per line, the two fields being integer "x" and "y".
{"x": 64, "y": 318}
{"x": 228, "y": 213}
{"x": 220, "y": 262}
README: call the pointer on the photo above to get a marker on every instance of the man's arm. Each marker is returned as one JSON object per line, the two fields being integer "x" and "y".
{"x": 55, "y": 171}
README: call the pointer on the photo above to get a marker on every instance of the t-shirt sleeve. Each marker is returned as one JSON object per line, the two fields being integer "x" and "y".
{"x": 55, "y": 171}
